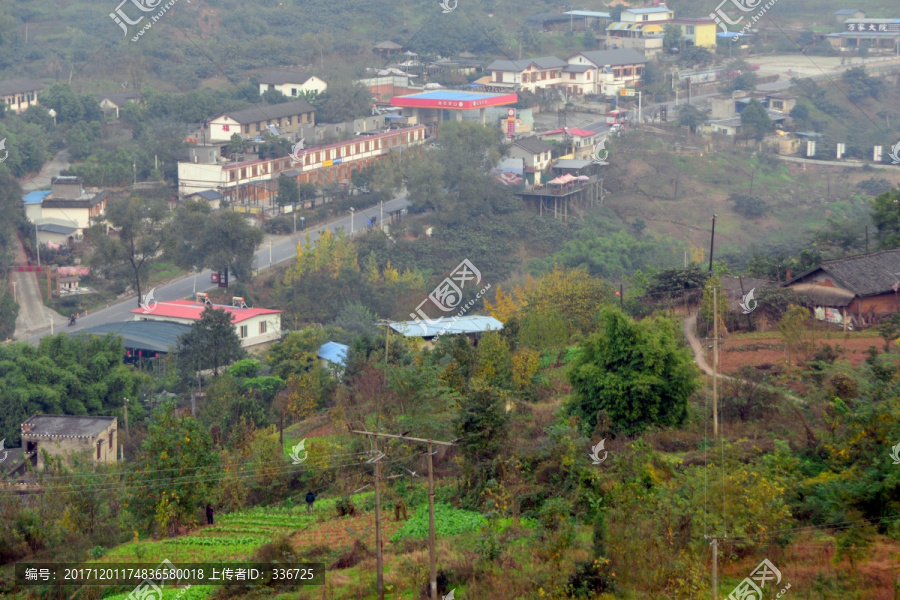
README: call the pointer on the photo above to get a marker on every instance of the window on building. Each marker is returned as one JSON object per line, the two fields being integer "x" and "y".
{"x": 293, "y": 91}
{"x": 246, "y": 129}
{"x": 99, "y": 446}
{"x": 262, "y": 327}
{"x": 496, "y": 76}
{"x": 571, "y": 75}
{"x": 243, "y": 172}
{"x": 290, "y": 120}
{"x": 543, "y": 75}
{"x": 646, "y": 17}
{"x": 257, "y": 127}
{"x": 243, "y": 331}
{"x": 232, "y": 175}
{"x": 110, "y": 439}
{"x": 690, "y": 29}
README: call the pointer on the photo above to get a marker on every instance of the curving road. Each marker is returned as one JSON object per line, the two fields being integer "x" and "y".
{"x": 281, "y": 251}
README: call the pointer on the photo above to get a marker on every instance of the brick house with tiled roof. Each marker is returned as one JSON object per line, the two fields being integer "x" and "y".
{"x": 866, "y": 287}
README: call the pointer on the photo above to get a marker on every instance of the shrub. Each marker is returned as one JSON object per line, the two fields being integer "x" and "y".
{"x": 747, "y": 205}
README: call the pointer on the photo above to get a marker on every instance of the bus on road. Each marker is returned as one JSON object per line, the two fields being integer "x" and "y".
{"x": 617, "y": 117}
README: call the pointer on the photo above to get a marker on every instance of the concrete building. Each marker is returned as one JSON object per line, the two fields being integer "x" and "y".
{"x": 96, "y": 438}
{"x": 251, "y": 122}
{"x": 19, "y": 94}
{"x": 535, "y": 153}
{"x": 68, "y": 205}
{"x": 291, "y": 84}
{"x": 113, "y": 103}
{"x": 253, "y": 325}
{"x": 530, "y": 74}
{"x": 845, "y": 14}
{"x": 880, "y": 36}
{"x": 610, "y": 70}
{"x": 255, "y": 181}
{"x": 578, "y": 142}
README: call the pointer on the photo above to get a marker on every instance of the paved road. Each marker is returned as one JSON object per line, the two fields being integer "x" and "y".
{"x": 41, "y": 181}
{"x": 283, "y": 250}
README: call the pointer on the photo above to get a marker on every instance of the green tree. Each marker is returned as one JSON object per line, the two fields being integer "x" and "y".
{"x": 482, "y": 426}
{"x": 690, "y": 116}
{"x": 178, "y": 457}
{"x": 792, "y": 329}
{"x": 637, "y": 372}
{"x": 356, "y": 318}
{"x": 886, "y": 217}
{"x": 288, "y": 192}
{"x": 747, "y": 205}
{"x": 212, "y": 342}
{"x": 755, "y": 120}
{"x": 141, "y": 225}
{"x": 493, "y": 361}
{"x": 672, "y": 36}
{"x": 198, "y": 239}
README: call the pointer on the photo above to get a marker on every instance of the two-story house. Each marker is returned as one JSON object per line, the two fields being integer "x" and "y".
{"x": 291, "y": 84}
{"x": 251, "y": 122}
{"x": 68, "y": 209}
{"x": 578, "y": 142}
{"x": 19, "y": 94}
{"x": 536, "y": 155}
{"x": 529, "y": 74}
{"x": 611, "y": 70}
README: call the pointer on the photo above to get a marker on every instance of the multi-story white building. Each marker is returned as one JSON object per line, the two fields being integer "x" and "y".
{"x": 291, "y": 84}
{"x": 529, "y": 74}
{"x": 608, "y": 71}
{"x": 255, "y": 181}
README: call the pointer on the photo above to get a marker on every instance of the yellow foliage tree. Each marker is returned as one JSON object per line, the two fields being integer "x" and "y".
{"x": 572, "y": 293}
{"x": 525, "y": 364}
{"x": 390, "y": 274}
{"x": 372, "y": 273}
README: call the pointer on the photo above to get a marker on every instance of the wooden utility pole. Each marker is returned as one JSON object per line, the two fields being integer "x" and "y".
{"x": 712, "y": 238}
{"x": 379, "y": 559}
{"x": 432, "y": 552}
{"x": 714, "y": 547}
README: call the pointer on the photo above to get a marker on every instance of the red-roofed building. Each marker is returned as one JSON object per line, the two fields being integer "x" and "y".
{"x": 253, "y": 325}
{"x": 581, "y": 142}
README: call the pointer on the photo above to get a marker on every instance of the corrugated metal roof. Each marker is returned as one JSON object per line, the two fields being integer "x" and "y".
{"x": 588, "y": 13}
{"x": 35, "y": 197}
{"x": 155, "y": 336}
{"x": 185, "y": 309}
{"x": 448, "y": 326}
{"x": 334, "y": 353}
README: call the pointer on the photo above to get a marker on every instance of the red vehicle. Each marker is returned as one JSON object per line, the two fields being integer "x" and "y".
{"x": 617, "y": 117}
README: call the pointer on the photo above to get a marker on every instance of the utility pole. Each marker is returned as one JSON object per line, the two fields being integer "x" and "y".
{"x": 714, "y": 548}
{"x": 432, "y": 552}
{"x": 126, "y": 417}
{"x": 715, "y": 362}
{"x": 712, "y": 239}
{"x": 379, "y": 559}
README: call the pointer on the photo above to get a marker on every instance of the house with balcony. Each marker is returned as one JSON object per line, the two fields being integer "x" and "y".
{"x": 578, "y": 143}
{"x": 254, "y": 183}
{"x": 19, "y": 94}
{"x": 610, "y": 70}
{"x": 291, "y": 84}
{"x": 531, "y": 74}
{"x": 251, "y": 122}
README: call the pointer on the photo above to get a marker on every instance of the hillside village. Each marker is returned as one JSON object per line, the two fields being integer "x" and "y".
{"x": 463, "y": 302}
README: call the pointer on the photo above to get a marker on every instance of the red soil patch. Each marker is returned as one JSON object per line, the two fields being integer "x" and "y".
{"x": 342, "y": 531}
{"x": 741, "y": 351}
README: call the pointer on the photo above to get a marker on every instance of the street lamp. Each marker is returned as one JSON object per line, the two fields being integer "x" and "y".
{"x": 352, "y": 212}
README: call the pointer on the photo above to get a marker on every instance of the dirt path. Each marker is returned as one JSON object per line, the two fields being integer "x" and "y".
{"x": 687, "y": 327}
{"x": 41, "y": 181}
{"x": 33, "y": 315}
